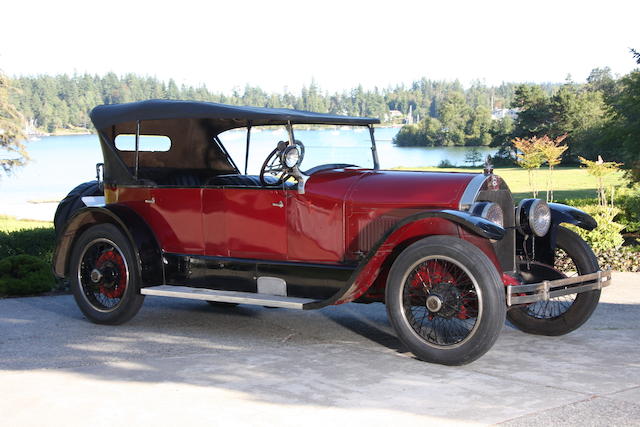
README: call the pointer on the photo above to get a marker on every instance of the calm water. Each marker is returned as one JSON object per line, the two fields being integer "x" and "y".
{"x": 59, "y": 163}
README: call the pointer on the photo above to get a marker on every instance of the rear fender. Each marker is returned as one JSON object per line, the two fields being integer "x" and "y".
{"x": 142, "y": 239}
{"x": 447, "y": 222}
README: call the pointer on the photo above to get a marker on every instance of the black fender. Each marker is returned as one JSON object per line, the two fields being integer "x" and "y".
{"x": 477, "y": 224}
{"x": 566, "y": 214}
{"x": 143, "y": 240}
{"x": 560, "y": 214}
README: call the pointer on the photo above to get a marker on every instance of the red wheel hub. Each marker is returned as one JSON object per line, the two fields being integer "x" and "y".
{"x": 434, "y": 277}
{"x": 114, "y": 277}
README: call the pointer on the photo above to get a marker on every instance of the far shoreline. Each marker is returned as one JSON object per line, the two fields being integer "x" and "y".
{"x": 71, "y": 132}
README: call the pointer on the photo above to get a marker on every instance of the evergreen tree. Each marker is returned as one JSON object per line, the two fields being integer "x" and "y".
{"x": 12, "y": 136}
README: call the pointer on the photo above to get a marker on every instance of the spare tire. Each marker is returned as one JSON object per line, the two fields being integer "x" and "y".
{"x": 73, "y": 202}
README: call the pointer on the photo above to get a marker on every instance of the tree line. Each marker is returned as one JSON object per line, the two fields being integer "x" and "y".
{"x": 63, "y": 102}
{"x": 599, "y": 117}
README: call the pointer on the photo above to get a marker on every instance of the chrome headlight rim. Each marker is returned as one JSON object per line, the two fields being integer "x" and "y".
{"x": 527, "y": 214}
{"x": 490, "y": 211}
{"x": 291, "y": 156}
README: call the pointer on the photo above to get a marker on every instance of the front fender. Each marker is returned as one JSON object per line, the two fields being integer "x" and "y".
{"x": 566, "y": 214}
{"x": 560, "y": 214}
{"x": 142, "y": 239}
{"x": 429, "y": 223}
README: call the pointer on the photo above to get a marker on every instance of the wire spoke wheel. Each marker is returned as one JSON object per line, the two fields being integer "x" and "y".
{"x": 445, "y": 300}
{"x": 557, "y": 306}
{"x": 103, "y": 274}
{"x": 559, "y": 315}
{"x": 441, "y": 301}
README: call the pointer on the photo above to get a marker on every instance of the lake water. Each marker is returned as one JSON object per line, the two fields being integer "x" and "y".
{"x": 59, "y": 163}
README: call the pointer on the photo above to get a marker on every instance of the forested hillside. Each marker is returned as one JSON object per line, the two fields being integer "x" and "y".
{"x": 55, "y": 103}
{"x": 599, "y": 116}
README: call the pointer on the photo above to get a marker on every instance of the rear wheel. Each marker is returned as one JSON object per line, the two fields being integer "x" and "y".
{"x": 445, "y": 300}
{"x": 104, "y": 275}
{"x": 561, "y": 315}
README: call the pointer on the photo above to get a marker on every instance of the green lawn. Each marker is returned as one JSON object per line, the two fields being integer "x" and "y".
{"x": 9, "y": 223}
{"x": 568, "y": 182}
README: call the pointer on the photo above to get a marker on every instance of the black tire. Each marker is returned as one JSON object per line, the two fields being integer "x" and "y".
{"x": 457, "y": 275}
{"x": 561, "y": 315}
{"x": 112, "y": 296}
{"x": 70, "y": 204}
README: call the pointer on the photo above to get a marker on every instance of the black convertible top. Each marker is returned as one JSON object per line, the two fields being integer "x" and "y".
{"x": 104, "y": 116}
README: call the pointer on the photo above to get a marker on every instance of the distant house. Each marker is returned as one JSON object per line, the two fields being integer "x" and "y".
{"x": 501, "y": 113}
{"x": 395, "y": 116}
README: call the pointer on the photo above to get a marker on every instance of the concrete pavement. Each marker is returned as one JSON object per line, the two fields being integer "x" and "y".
{"x": 184, "y": 362}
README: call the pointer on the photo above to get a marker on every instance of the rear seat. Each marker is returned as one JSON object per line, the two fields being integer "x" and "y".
{"x": 235, "y": 180}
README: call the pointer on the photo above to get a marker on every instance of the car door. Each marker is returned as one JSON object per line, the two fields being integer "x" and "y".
{"x": 255, "y": 220}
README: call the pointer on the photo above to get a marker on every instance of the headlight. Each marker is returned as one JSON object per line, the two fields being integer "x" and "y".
{"x": 533, "y": 216}
{"x": 490, "y": 211}
{"x": 291, "y": 156}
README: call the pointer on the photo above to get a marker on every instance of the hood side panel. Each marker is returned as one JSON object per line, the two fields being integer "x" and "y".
{"x": 382, "y": 198}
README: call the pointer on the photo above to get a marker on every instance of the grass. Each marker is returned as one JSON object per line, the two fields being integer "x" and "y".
{"x": 9, "y": 224}
{"x": 568, "y": 182}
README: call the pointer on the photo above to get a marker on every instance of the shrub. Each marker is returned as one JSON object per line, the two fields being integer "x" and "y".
{"x": 409, "y": 136}
{"x": 607, "y": 235}
{"x": 25, "y": 275}
{"x": 624, "y": 259}
{"x": 627, "y": 200}
{"x": 446, "y": 164}
{"x": 629, "y": 203}
{"x": 39, "y": 242}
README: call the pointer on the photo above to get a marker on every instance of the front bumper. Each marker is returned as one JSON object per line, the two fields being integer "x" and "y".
{"x": 543, "y": 291}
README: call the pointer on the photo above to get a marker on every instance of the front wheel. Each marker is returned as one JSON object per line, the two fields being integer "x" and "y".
{"x": 104, "y": 275}
{"x": 560, "y": 315}
{"x": 445, "y": 300}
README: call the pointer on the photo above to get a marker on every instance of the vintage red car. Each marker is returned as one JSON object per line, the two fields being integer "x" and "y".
{"x": 448, "y": 253}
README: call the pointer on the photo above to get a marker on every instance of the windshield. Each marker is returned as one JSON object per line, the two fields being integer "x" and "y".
{"x": 323, "y": 145}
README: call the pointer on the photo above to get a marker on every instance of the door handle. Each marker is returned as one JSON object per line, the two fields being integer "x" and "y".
{"x": 278, "y": 205}
{"x": 151, "y": 200}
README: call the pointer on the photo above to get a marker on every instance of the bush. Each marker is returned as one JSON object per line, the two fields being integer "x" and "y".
{"x": 446, "y": 164}
{"x": 409, "y": 136}
{"x": 628, "y": 201}
{"x": 25, "y": 275}
{"x": 39, "y": 242}
{"x": 629, "y": 204}
{"x": 607, "y": 235}
{"x": 503, "y": 159}
{"x": 623, "y": 259}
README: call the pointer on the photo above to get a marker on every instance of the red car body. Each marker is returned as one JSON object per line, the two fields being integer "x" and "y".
{"x": 199, "y": 228}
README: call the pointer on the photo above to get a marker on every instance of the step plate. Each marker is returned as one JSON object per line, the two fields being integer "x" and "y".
{"x": 227, "y": 296}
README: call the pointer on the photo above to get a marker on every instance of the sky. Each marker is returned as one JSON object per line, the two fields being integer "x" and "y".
{"x": 283, "y": 45}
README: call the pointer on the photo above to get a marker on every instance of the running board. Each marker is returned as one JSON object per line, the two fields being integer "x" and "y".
{"x": 227, "y": 296}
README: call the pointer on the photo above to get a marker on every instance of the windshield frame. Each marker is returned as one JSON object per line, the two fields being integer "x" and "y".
{"x": 291, "y": 134}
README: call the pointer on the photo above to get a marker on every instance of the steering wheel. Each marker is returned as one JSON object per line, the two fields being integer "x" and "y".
{"x": 275, "y": 166}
